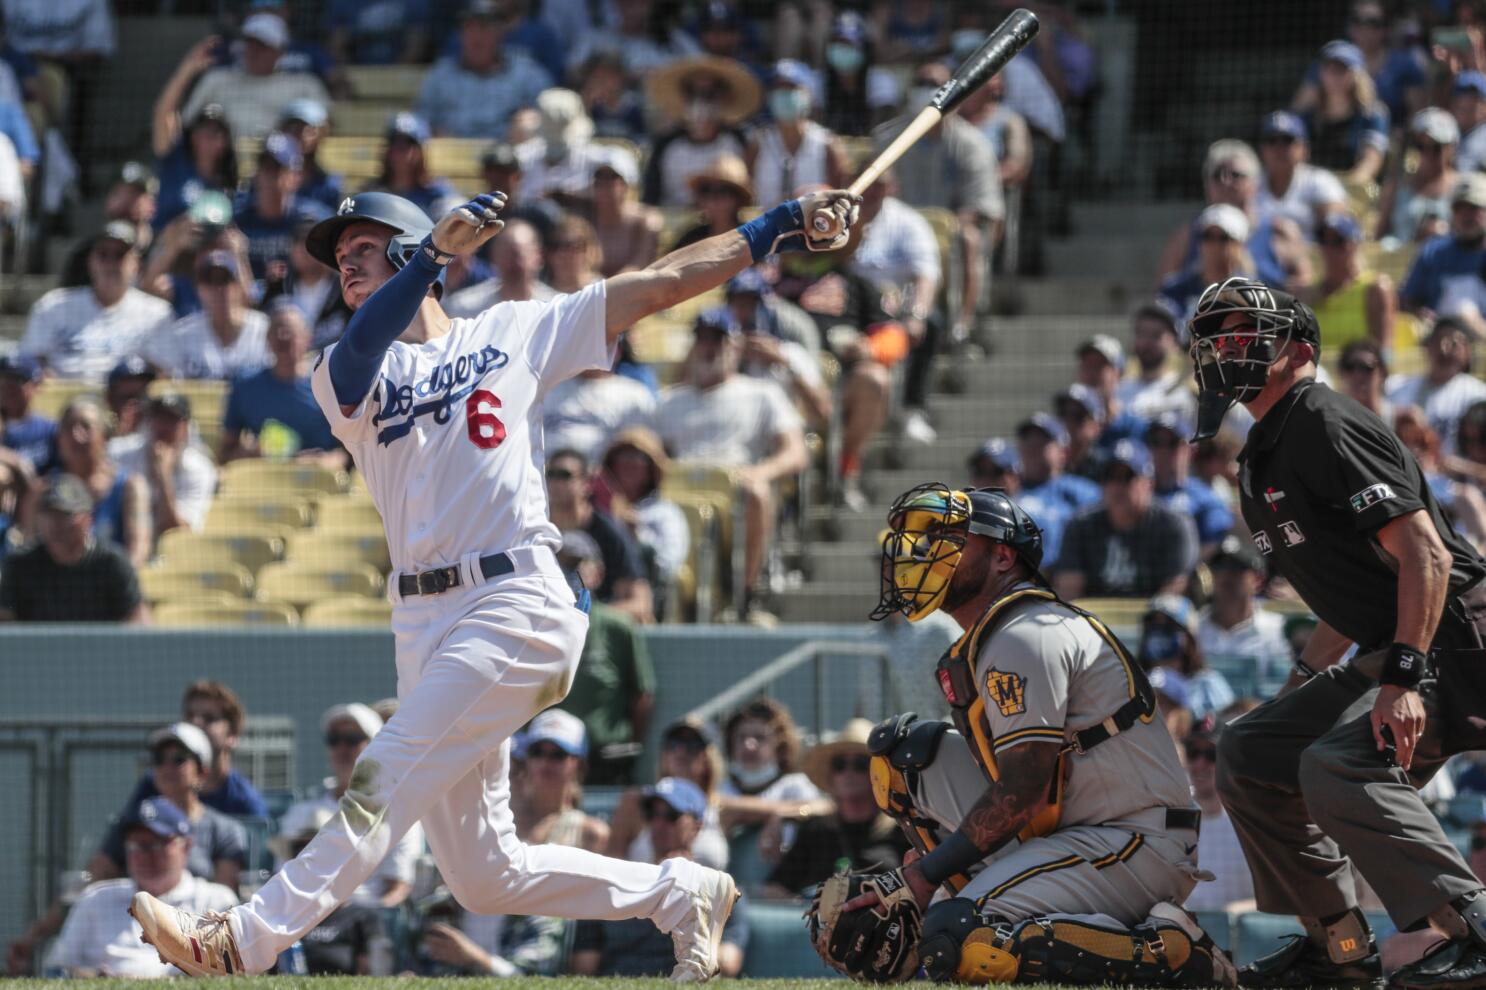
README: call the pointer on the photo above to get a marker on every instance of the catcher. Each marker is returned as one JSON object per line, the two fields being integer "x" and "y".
{"x": 1056, "y": 825}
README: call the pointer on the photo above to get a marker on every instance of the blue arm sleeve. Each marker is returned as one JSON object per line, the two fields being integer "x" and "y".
{"x": 355, "y": 360}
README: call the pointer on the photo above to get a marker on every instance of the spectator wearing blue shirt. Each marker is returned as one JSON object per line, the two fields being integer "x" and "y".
{"x": 476, "y": 93}
{"x": 1221, "y": 241}
{"x": 1447, "y": 271}
{"x": 307, "y": 122}
{"x": 1042, "y": 448}
{"x": 1169, "y": 640}
{"x": 1468, "y": 106}
{"x": 380, "y": 32}
{"x": 1348, "y": 126}
{"x": 405, "y": 167}
{"x": 1176, "y": 489}
{"x": 194, "y": 157}
{"x": 273, "y": 412}
{"x": 29, "y": 434}
{"x": 272, "y": 208}
{"x": 995, "y": 464}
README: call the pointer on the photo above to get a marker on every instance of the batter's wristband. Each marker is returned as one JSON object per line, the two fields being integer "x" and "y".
{"x": 955, "y": 855}
{"x": 763, "y": 230}
{"x": 1403, "y": 666}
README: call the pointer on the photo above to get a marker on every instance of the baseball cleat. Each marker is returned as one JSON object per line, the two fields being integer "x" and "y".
{"x": 1300, "y": 963}
{"x": 698, "y": 937}
{"x": 1459, "y": 964}
{"x": 199, "y": 945}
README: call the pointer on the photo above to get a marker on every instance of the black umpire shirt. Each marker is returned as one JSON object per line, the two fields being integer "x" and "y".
{"x": 1319, "y": 476}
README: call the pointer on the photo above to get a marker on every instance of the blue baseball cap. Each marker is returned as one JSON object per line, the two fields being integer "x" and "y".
{"x": 21, "y": 366}
{"x": 792, "y": 72}
{"x": 283, "y": 149}
{"x": 1133, "y": 455}
{"x": 1344, "y": 52}
{"x": 408, "y": 125}
{"x": 1470, "y": 81}
{"x": 749, "y": 282}
{"x": 719, "y": 13}
{"x": 1173, "y": 421}
{"x": 1283, "y": 123}
{"x": 850, "y": 27}
{"x": 680, "y": 794}
{"x": 132, "y": 366}
{"x": 306, "y": 111}
{"x": 559, "y": 728}
{"x": 1176, "y": 608}
{"x": 718, "y": 318}
{"x": 999, "y": 452}
{"x": 1085, "y": 397}
{"x": 1047, "y": 423}
{"x": 159, "y": 816}
{"x": 1344, "y": 224}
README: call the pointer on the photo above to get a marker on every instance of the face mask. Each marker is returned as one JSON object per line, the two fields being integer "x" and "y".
{"x": 844, "y": 58}
{"x": 788, "y": 105}
{"x": 1160, "y": 645}
{"x": 699, "y": 114}
{"x": 756, "y": 779}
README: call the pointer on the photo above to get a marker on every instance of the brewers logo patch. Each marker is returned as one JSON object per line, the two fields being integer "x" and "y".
{"x": 1007, "y": 691}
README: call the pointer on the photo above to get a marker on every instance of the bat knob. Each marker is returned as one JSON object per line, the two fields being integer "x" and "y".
{"x": 821, "y": 223}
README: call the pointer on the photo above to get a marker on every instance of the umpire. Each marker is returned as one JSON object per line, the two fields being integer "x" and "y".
{"x": 1327, "y": 772}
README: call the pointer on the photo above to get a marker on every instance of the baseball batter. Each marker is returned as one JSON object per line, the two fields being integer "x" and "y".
{"x": 1054, "y": 875}
{"x": 443, "y": 418}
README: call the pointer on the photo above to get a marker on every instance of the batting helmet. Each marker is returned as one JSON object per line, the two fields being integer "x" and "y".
{"x": 929, "y": 526}
{"x": 408, "y": 223}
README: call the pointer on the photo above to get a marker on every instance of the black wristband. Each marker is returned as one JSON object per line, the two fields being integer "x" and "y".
{"x": 1403, "y": 666}
{"x": 953, "y": 856}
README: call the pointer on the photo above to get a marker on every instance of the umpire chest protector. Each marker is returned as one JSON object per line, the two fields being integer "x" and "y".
{"x": 957, "y": 679}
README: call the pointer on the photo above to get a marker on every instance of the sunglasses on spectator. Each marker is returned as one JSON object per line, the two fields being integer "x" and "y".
{"x": 705, "y": 189}
{"x": 690, "y": 744}
{"x": 1215, "y": 237}
{"x": 170, "y": 757}
{"x": 136, "y": 846}
{"x": 659, "y": 809}
{"x": 1198, "y": 751}
{"x": 1370, "y": 22}
{"x": 546, "y": 751}
{"x": 1427, "y": 147}
{"x": 1353, "y": 366}
{"x": 334, "y": 740}
{"x": 1285, "y": 139}
{"x": 560, "y": 474}
{"x": 860, "y": 764}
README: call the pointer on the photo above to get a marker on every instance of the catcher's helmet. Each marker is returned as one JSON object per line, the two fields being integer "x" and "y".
{"x": 1232, "y": 357}
{"x": 408, "y": 223}
{"x": 927, "y": 530}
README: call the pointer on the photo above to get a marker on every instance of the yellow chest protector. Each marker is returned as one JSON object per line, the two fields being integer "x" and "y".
{"x": 956, "y": 674}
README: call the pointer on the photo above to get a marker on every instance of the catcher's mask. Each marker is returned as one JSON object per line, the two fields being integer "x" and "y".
{"x": 927, "y": 529}
{"x": 1232, "y": 363}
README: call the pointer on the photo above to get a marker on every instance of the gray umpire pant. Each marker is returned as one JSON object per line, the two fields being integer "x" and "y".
{"x": 1308, "y": 790}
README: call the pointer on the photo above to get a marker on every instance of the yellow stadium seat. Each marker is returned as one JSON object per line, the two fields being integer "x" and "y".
{"x": 53, "y": 395}
{"x": 398, "y": 83}
{"x": 165, "y": 581}
{"x": 694, "y": 476}
{"x": 346, "y": 612}
{"x": 366, "y": 118}
{"x": 657, "y": 340}
{"x": 237, "y": 512}
{"x": 251, "y": 550}
{"x": 457, "y": 159}
{"x": 254, "y": 476}
{"x": 189, "y": 615}
{"x": 347, "y": 514}
{"x": 1125, "y": 612}
{"x": 300, "y": 583}
{"x": 315, "y": 546}
{"x": 356, "y": 159}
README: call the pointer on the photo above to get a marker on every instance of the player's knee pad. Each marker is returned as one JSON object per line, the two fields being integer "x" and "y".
{"x": 1163, "y": 951}
{"x": 960, "y": 946}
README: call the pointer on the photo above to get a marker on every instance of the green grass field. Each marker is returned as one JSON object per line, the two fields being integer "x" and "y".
{"x": 421, "y": 983}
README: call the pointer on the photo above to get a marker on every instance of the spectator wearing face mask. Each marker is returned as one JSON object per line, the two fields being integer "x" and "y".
{"x": 707, "y": 98}
{"x": 793, "y": 150}
{"x": 859, "y": 93}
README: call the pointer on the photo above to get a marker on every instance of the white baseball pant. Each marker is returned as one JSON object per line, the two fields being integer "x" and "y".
{"x": 473, "y": 665}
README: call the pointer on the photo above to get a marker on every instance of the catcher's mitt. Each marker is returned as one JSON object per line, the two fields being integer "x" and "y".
{"x": 878, "y": 944}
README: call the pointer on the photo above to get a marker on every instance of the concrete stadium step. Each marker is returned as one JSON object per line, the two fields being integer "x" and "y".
{"x": 12, "y": 327}
{"x": 1068, "y": 295}
{"x": 18, "y": 293}
{"x": 1130, "y": 256}
{"x": 828, "y": 603}
{"x": 832, "y": 524}
{"x": 943, "y": 458}
{"x": 1041, "y": 335}
{"x": 1116, "y": 218}
{"x": 835, "y": 563}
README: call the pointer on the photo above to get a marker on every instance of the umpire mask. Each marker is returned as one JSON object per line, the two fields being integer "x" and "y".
{"x": 928, "y": 526}
{"x": 1237, "y": 330}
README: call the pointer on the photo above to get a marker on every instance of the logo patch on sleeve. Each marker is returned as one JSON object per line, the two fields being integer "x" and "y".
{"x": 1007, "y": 691}
{"x": 1371, "y": 495}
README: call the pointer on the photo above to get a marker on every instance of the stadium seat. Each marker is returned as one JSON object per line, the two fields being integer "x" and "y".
{"x": 186, "y": 615}
{"x": 233, "y": 512}
{"x": 333, "y": 548}
{"x": 1124, "y": 613}
{"x": 600, "y": 801}
{"x": 53, "y": 394}
{"x": 347, "y": 514}
{"x": 1218, "y": 924}
{"x": 1467, "y": 809}
{"x": 458, "y": 160}
{"x": 166, "y": 581}
{"x": 251, "y": 550}
{"x": 348, "y": 612}
{"x": 255, "y": 477}
{"x": 299, "y": 584}
{"x": 778, "y": 947}
{"x": 365, "y": 118}
{"x": 386, "y": 82}
{"x": 357, "y": 160}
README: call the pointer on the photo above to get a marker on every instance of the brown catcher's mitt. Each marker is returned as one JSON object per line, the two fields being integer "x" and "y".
{"x": 877, "y": 944}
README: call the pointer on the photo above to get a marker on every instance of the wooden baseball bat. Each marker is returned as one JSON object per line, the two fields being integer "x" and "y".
{"x": 1010, "y": 37}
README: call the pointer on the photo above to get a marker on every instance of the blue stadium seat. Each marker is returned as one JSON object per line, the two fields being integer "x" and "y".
{"x": 778, "y": 947}
{"x": 1467, "y": 809}
{"x": 744, "y": 861}
{"x": 1218, "y": 924}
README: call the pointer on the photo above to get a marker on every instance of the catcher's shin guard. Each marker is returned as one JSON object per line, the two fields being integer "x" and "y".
{"x": 960, "y": 946}
{"x": 1169, "y": 949}
{"x": 901, "y": 748}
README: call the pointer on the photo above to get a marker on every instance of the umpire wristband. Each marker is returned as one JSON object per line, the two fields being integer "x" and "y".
{"x": 1403, "y": 666}
{"x": 955, "y": 855}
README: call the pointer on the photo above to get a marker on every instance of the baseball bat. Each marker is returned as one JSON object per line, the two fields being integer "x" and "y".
{"x": 1010, "y": 37}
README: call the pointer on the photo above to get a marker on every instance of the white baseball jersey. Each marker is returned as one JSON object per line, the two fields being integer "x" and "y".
{"x": 449, "y": 438}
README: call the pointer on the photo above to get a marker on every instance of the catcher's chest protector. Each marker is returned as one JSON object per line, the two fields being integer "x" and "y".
{"x": 956, "y": 674}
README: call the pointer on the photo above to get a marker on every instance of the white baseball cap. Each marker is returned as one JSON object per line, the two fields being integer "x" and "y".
{"x": 368, "y": 721}
{"x": 561, "y": 729}
{"x": 1437, "y": 125}
{"x": 268, "y": 28}
{"x": 192, "y": 738}
{"x": 1229, "y": 219}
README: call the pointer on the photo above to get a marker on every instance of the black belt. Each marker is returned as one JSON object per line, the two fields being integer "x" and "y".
{"x": 441, "y": 579}
{"x": 1179, "y": 818}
